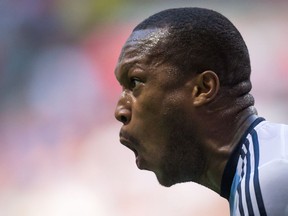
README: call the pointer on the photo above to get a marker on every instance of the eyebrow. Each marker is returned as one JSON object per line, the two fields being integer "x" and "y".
{"x": 124, "y": 69}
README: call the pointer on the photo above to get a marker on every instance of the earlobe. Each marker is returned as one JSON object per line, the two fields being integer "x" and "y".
{"x": 206, "y": 87}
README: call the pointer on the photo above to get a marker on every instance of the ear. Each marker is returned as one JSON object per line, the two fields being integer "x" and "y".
{"x": 206, "y": 87}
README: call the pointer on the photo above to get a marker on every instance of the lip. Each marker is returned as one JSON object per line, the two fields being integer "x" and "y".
{"x": 129, "y": 141}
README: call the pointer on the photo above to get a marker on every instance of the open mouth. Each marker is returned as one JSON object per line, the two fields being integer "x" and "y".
{"x": 134, "y": 150}
{"x": 132, "y": 143}
{"x": 128, "y": 144}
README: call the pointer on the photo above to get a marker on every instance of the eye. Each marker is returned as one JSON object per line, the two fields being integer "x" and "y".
{"x": 134, "y": 82}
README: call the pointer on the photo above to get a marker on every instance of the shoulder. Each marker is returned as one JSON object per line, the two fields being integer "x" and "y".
{"x": 273, "y": 166}
{"x": 272, "y": 139}
{"x": 274, "y": 186}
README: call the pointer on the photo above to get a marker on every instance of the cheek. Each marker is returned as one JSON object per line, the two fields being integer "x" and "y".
{"x": 148, "y": 107}
{"x": 176, "y": 107}
{"x": 150, "y": 121}
{"x": 157, "y": 115}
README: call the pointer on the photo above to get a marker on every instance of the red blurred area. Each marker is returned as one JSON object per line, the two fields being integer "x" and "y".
{"x": 103, "y": 48}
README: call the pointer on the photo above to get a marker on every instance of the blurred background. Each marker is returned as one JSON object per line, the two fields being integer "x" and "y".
{"x": 59, "y": 148}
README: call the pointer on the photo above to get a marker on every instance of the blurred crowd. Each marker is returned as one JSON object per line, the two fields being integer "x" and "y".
{"x": 59, "y": 149}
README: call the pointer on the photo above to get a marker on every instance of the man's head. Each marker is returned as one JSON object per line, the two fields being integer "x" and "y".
{"x": 175, "y": 65}
{"x": 201, "y": 39}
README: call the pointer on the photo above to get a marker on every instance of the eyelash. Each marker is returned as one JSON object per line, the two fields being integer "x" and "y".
{"x": 134, "y": 82}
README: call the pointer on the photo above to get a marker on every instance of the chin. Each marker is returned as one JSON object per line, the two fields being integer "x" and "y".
{"x": 170, "y": 179}
{"x": 166, "y": 181}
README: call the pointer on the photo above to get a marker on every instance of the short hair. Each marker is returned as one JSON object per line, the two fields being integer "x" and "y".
{"x": 202, "y": 39}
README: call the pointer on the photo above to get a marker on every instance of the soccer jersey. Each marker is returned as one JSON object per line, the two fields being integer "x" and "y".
{"x": 255, "y": 179}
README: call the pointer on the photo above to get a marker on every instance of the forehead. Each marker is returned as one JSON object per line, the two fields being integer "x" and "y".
{"x": 140, "y": 45}
{"x": 148, "y": 36}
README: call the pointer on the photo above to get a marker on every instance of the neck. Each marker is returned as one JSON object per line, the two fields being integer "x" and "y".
{"x": 221, "y": 141}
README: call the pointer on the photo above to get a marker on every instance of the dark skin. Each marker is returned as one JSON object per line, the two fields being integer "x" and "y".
{"x": 181, "y": 128}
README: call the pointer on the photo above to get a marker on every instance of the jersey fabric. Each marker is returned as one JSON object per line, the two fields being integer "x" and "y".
{"x": 255, "y": 179}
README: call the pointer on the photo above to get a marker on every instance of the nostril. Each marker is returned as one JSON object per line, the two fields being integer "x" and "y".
{"x": 123, "y": 119}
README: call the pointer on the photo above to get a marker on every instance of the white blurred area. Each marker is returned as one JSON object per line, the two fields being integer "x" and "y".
{"x": 59, "y": 148}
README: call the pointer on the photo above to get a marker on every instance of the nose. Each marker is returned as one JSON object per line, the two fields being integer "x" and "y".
{"x": 123, "y": 110}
